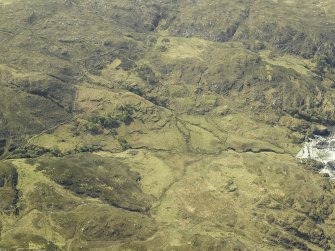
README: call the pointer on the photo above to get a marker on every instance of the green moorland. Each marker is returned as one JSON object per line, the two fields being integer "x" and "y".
{"x": 165, "y": 125}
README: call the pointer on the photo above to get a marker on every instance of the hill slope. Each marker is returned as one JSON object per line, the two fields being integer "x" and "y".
{"x": 164, "y": 125}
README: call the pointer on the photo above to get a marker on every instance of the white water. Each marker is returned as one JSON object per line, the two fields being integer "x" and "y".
{"x": 321, "y": 149}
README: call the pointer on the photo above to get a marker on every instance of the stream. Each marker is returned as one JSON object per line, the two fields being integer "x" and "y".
{"x": 321, "y": 149}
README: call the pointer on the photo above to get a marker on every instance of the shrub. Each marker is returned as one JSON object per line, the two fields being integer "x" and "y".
{"x": 124, "y": 144}
{"x": 135, "y": 89}
{"x": 125, "y": 114}
{"x": 87, "y": 148}
{"x": 56, "y": 151}
{"x": 94, "y": 128}
{"x": 158, "y": 101}
{"x": 32, "y": 151}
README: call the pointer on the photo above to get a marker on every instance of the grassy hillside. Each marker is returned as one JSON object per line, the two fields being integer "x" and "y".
{"x": 164, "y": 125}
